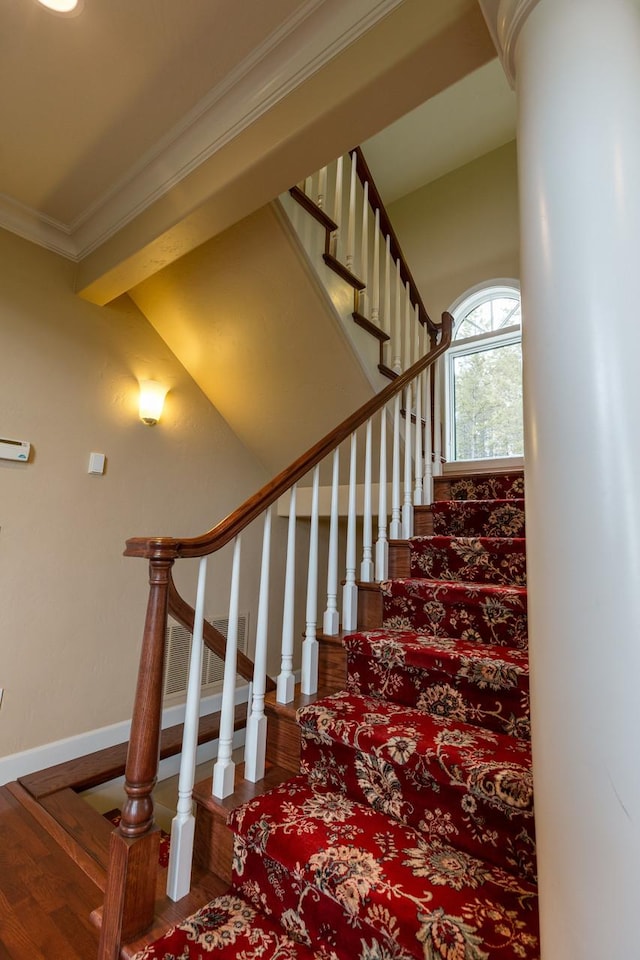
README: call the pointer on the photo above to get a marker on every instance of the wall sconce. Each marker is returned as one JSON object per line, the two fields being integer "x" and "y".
{"x": 152, "y": 396}
{"x": 66, "y": 8}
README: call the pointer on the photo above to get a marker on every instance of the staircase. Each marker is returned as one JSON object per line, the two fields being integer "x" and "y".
{"x": 408, "y": 831}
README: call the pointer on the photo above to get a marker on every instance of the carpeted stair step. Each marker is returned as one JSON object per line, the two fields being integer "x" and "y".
{"x": 505, "y": 486}
{"x": 500, "y": 560}
{"x": 429, "y": 773}
{"x": 228, "y": 927}
{"x": 477, "y": 683}
{"x": 481, "y": 613}
{"x": 479, "y": 518}
{"x": 343, "y": 875}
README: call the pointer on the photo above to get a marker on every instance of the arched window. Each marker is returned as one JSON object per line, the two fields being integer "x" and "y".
{"x": 483, "y": 374}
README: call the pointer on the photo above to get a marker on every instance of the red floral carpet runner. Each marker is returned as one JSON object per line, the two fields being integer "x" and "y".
{"x": 409, "y": 833}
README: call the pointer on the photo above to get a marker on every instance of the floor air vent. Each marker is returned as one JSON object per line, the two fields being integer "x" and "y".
{"x": 177, "y": 658}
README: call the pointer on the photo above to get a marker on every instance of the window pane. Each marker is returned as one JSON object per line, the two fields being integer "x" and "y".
{"x": 489, "y": 316}
{"x": 487, "y": 395}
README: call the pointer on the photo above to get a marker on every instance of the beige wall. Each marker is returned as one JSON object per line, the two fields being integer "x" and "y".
{"x": 461, "y": 229}
{"x": 71, "y": 606}
{"x": 248, "y": 320}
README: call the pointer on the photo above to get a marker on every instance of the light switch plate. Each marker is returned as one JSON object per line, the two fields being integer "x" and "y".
{"x": 96, "y": 464}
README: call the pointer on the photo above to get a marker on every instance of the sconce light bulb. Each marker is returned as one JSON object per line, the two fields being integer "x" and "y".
{"x": 152, "y": 396}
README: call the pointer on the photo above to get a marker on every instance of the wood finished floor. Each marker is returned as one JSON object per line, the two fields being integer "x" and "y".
{"x": 45, "y": 898}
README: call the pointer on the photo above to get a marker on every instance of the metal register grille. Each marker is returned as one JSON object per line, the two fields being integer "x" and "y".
{"x": 178, "y": 640}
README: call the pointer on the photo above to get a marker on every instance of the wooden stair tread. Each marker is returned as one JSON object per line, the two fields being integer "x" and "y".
{"x": 387, "y": 371}
{"x": 370, "y": 326}
{"x": 272, "y": 706}
{"x": 244, "y": 790}
{"x": 342, "y": 271}
{"x": 85, "y": 826}
{"x": 371, "y": 585}
{"x": 312, "y": 208}
{"x": 333, "y": 639}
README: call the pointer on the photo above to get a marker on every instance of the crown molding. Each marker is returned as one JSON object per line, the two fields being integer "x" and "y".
{"x": 34, "y": 226}
{"x": 317, "y": 32}
{"x": 505, "y": 19}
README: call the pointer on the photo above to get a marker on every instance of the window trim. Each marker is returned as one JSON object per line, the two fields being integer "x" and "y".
{"x": 474, "y": 297}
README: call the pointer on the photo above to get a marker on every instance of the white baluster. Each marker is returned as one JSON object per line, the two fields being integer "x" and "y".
{"x": 331, "y": 619}
{"x": 419, "y": 462}
{"x": 337, "y": 208}
{"x": 322, "y": 187}
{"x": 395, "y": 530}
{"x": 364, "y": 253}
{"x": 309, "y": 682}
{"x": 419, "y": 334}
{"x": 256, "y": 733}
{"x": 396, "y": 338}
{"x": 366, "y": 567}
{"x": 183, "y": 824}
{"x": 407, "y": 503}
{"x": 285, "y": 684}
{"x": 350, "y": 590}
{"x": 382, "y": 543}
{"x": 408, "y": 339}
{"x": 437, "y": 425}
{"x": 428, "y": 447}
{"x": 351, "y": 222}
{"x": 375, "y": 292}
{"x": 224, "y": 769}
{"x": 308, "y": 187}
{"x": 386, "y": 316}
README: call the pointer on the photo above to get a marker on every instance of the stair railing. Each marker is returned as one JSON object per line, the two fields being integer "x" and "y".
{"x": 131, "y": 881}
{"x": 362, "y": 247}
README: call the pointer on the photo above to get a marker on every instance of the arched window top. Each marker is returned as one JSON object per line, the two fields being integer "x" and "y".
{"x": 491, "y": 308}
{"x": 483, "y": 374}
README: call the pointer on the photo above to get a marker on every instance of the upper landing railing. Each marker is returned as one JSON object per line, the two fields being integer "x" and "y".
{"x": 361, "y": 247}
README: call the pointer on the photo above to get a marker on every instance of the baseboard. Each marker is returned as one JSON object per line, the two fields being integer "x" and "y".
{"x": 60, "y": 751}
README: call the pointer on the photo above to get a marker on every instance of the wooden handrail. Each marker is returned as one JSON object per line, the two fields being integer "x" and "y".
{"x": 376, "y": 202}
{"x": 181, "y": 611}
{"x": 235, "y": 523}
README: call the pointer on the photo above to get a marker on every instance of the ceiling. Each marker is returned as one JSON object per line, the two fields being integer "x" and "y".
{"x": 467, "y": 120}
{"x": 93, "y": 94}
{"x": 109, "y": 117}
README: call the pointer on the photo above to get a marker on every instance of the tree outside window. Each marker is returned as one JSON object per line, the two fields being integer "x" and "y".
{"x": 484, "y": 375}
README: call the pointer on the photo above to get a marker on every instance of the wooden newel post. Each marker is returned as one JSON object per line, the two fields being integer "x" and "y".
{"x": 133, "y": 854}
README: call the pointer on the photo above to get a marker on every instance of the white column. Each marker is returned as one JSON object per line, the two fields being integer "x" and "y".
{"x": 577, "y": 66}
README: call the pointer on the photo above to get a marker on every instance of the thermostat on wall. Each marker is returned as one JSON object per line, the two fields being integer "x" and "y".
{"x": 14, "y": 449}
